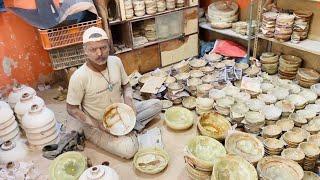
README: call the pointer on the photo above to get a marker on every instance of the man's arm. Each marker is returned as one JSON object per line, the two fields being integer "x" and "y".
{"x": 128, "y": 96}
{"x": 77, "y": 113}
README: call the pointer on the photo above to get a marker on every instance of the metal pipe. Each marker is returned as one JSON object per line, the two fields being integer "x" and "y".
{"x": 250, "y": 30}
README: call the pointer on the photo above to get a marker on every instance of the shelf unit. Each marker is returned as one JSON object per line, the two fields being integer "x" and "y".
{"x": 307, "y": 45}
{"x": 157, "y": 53}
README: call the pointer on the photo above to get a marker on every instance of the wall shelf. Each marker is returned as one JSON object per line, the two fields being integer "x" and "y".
{"x": 227, "y": 32}
{"x": 307, "y": 45}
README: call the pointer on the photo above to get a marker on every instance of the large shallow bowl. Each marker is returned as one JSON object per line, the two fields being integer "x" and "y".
{"x": 233, "y": 167}
{"x": 202, "y": 152}
{"x": 179, "y": 118}
{"x": 276, "y": 167}
{"x": 69, "y": 165}
{"x": 245, "y": 145}
{"x": 214, "y": 125}
{"x": 151, "y": 160}
{"x": 119, "y": 118}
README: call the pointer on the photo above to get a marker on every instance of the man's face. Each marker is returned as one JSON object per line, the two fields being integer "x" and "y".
{"x": 97, "y": 52}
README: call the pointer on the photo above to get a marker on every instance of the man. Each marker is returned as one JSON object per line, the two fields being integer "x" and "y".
{"x": 100, "y": 82}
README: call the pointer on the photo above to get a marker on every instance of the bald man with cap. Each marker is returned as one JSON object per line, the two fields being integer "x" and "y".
{"x": 98, "y": 83}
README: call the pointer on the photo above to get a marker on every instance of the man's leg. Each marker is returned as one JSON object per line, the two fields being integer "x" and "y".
{"x": 123, "y": 146}
{"x": 146, "y": 111}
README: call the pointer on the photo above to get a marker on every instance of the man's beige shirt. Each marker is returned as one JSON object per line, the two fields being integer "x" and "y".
{"x": 89, "y": 89}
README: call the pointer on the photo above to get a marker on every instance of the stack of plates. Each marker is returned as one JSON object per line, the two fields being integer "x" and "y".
{"x": 297, "y": 100}
{"x": 269, "y": 62}
{"x": 298, "y": 121}
{"x": 181, "y": 67}
{"x": 301, "y": 25}
{"x": 173, "y": 89}
{"x": 171, "y": 4}
{"x": 156, "y": 164}
{"x": 203, "y": 90}
{"x": 293, "y": 139}
{"x": 284, "y": 24}
{"x": 254, "y": 121}
{"x": 286, "y": 106}
{"x": 311, "y": 152}
{"x": 128, "y": 9}
{"x": 289, "y": 65}
{"x": 150, "y": 30}
{"x": 237, "y": 113}
{"x": 240, "y": 27}
{"x": 207, "y": 69}
{"x": 316, "y": 89}
{"x": 197, "y": 63}
{"x": 268, "y": 24}
{"x": 139, "y": 7}
{"x": 151, "y": 6}
{"x": 166, "y": 104}
{"x": 286, "y": 124}
{"x": 273, "y": 146}
{"x": 294, "y": 154}
{"x": 223, "y": 105}
{"x": 192, "y": 84}
{"x": 180, "y": 3}
{"x": 310, "y": 175}
{"x": 307, "y": 77}
{"x": 271, "y": 131}
{"x": 196, "y": 74}
{"x": 204, "y": 105}
{"x": 189, "y": 102}
{"x": 182, "y": 77}
{"x": 314, "y": 139}
{"x": 221, "y": 14}
{"x": 161, "y": 5}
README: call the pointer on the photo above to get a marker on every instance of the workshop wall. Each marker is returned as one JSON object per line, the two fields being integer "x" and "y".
{"x": 22, "y": 57}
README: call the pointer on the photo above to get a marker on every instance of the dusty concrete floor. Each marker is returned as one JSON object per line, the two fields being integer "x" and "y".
{"x": 174, "y": 145}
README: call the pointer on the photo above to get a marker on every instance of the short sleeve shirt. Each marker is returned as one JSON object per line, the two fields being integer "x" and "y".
{"x": 89, "y": 89}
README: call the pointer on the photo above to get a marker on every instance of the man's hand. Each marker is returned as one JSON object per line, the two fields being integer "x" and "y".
{"x": 127, "y": 95}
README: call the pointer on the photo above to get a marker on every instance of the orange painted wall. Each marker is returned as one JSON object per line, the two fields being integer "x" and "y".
{"x": 22, "y": 57}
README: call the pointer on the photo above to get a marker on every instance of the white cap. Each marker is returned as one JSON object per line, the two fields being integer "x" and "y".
{"x": 94, "y": 34}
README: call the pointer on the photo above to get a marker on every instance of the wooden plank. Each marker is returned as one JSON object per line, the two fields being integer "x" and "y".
{"x": 191, "y": 21}
{"x": 176, "y": 50}
{"x": 148, "y": 58}
{"x": 129, "y": 61}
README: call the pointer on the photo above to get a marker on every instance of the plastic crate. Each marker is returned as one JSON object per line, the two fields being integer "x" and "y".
{"x": 62, "y": 58}
{"x": 66, "y": 35}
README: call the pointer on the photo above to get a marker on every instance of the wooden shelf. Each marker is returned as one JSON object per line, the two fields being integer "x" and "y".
{"x": 307, "y": 45}
{"x": 147, "y": 16}
{"x": 123, "y": 51}
{"x": 227, "y": 32}
{"x": 156, "y": 42}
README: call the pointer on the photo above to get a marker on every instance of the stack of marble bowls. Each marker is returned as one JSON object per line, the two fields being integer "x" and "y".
{"x": 151, "y": 6}
{"x": 269, "y": 62}
{"x": 253, "y": 122}
{"x": 128, "y": 9}
{"x": 289, "y": 66}
{"x": 180, "y": 3}
{"x": 161, "y": 5}
{"x": 271, "y": 131}
{"x": 307, "y": 77}
{"x": 171, "y": 4}
{"x": 295, "y": 154}
{"x": 273, "y": 146}
{"x": 293, "y": 139}
{"x": 139, "y": 7}
{"x": 223, "y": 105}
{"x": 311, "y": 152}
{"x": 268, "y": 24}
{"x": 284, "y": 24}
{"x": 301, "y": 25}
{"x": 221, "y": 15}
{"x": 204, "y": 105}
{"x": 192, "y": 84}
{"x": 203, "y": 90}
{"x": 150, "y": 30}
